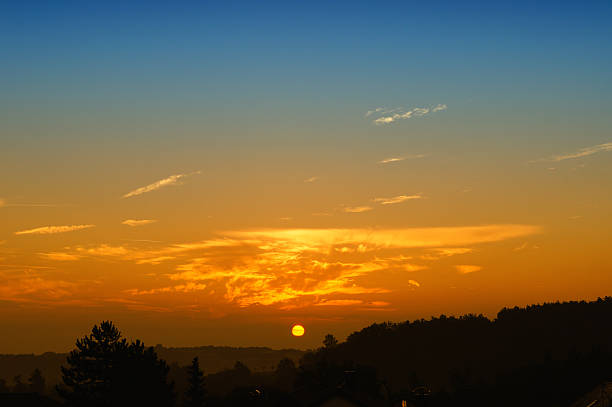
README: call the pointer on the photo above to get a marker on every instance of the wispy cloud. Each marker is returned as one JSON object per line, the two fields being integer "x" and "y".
{"x": 398, "y": 114}
{"x": 396, "y": 159}
{"x": 583, "y": 152}
{"x": 397, "y": 199}
{"x": 138, "y": 222}
{"x": 5, "y": 203}
{"x": 435, "y": 237}
{"x": 46, "y": 230}
{"x": 439, "y": 108}
{"x": 357, "y": 209}
{"x": 311, "y": 179}
{"x": 467, "y": 268}
{"x": 34, "y": 288}
{"x": 371, "y": 112}
{"x": 171, "y": 180}
{"x": 446, "y": 252}
{"x": 59, "y": 256}
{"x": 338, "y": 303}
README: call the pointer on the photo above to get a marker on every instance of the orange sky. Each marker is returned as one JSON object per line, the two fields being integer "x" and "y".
{"x": 216, "y": 176}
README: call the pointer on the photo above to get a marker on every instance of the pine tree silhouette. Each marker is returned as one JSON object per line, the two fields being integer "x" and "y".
{"x": 196, "y": 393}
{"x": 106, "y": 370}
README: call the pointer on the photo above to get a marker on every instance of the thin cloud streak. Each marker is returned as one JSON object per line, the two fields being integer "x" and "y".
{"x": 138, "y": 222}
{"x": 171, "y": 180}
{"x": 4, "y": 203}
{"x": 311, "y": 179}
{"x": 434, "y": 237}
{"x": 357, "y": 209}
{"x": 396, "y": 159}
{"x": 583, "y": 152}
{"x": 397, "y": 199}
{"x": 402, "y": 115}
{"x": 47, "y": 230}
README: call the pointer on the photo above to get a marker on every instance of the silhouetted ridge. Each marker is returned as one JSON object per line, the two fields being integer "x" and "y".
{"x": 544, "y": 352}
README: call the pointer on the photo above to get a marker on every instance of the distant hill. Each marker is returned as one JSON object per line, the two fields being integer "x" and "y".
{"x": 212, "y": 359}
{"x": 554, "y": 351}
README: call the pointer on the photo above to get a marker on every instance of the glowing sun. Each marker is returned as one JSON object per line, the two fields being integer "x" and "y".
{"x": 297, "y": 330}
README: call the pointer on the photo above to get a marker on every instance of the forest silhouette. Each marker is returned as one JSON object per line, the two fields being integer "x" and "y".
{"x": 540, "y": 355}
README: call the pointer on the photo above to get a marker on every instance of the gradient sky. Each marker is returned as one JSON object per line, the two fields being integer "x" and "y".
{"x": 213, "y": 173}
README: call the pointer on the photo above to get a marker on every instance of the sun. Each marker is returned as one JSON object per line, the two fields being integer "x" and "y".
{"x": 297, "y": 330}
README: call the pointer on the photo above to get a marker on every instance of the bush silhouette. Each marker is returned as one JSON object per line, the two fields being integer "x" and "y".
{"x": 106, "y": 370}
{"x": 37, "y": 382}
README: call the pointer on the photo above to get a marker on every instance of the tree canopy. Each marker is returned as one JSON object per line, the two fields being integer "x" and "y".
{"x": 107, "y": 370}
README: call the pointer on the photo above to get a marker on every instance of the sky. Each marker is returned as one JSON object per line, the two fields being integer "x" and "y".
{"x": 213, "y": 173}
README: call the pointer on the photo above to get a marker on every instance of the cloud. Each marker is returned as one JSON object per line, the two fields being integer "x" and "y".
{"x": 138, "y": 222}
{"x": 439, "y": 108}
{"x": 46, "y": 230}
{"x": 396, "y": 159}
{"x": 583, "y": 152}
{"x": 391, "y": 160}
{"x": 467, "y": 268}
{"x": 387, "y": 118}
{"x": 338, "y": 303}
{"x": 59, "y": 256}
{"x": 180, "y": 288}
{"x": 26, "y": 288}
{"x": 311, "y": 179}
{"x": 371, "y": 112}
{"x": 357, "y": 209}
{"x": 290, "y": 268}
{"x": 2, "y": 202}
{"x": 393, "y": 238}
{"x": 295, "y": 267}
{"x": 397, "y": 199}
{"x": 171, "y": 180}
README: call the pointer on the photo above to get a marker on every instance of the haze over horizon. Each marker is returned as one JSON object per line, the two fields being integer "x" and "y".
{"x": 216, "y": 173}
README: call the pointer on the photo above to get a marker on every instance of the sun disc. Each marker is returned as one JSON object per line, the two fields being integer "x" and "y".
{"x": 297, "y": 330}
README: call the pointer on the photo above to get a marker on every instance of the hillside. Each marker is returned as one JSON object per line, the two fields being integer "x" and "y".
{"x": 212, "y": 358}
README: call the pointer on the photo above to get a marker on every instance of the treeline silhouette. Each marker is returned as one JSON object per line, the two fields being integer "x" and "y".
{"x": 217, "y": 358}
{"x": 540, "y": 355}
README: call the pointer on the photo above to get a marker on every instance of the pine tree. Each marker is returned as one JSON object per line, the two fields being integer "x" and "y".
{"x": 196, "y": 393}
{"x": 106, "y": 370}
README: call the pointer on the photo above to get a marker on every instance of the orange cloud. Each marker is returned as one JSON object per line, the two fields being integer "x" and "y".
{"x": 467, "y": 268}
{"x": 59, "y": 256}
{"x": 138, "y": 222}
{"x": 357, "y": 209}
{"x": 45, "y": 230}
{"x": 171, "y": 180}
{"x": 397, "y": 199}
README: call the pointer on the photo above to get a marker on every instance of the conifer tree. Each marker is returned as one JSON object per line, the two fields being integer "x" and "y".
{"x": 196, "y": 393}
{"x": 106, "y": 370}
